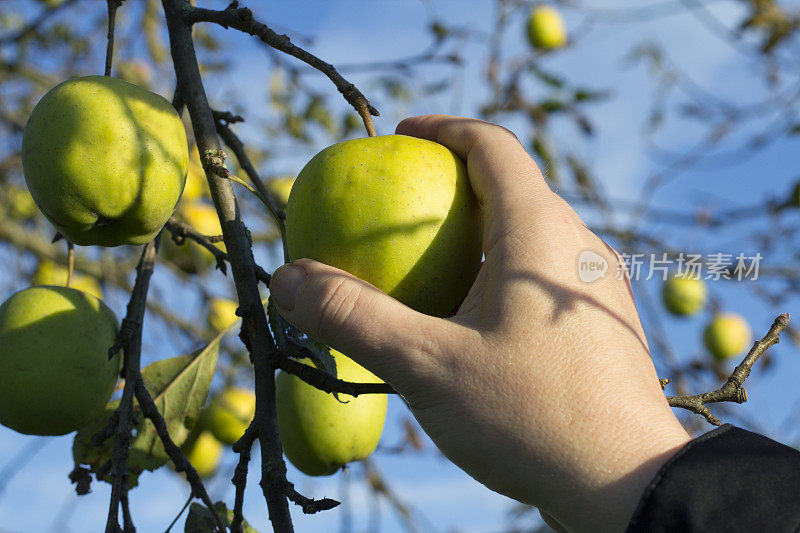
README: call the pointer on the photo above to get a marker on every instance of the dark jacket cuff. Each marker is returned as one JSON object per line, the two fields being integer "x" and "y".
{"x": 726, "y": 480}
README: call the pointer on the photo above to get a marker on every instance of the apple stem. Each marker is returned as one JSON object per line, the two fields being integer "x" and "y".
{"x": 112, "y": 16}
{"x": 362, "y": 106}
{"x": 70, "y": 261}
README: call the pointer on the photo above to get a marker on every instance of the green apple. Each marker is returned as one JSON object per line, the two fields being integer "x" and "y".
{"x": 393, "y": 210}
{"x": 321, "y": 434}
{"x": 221, "y": 313}
{"x": 684, "y": 295}
{"x": 49, "y": 273}
{"x": 20, "y": 202}
{"x": 229, "y": 414}
{"x": 55, "y": 373}
{"x": 204, "y": 452}
{"x": 546, "y": 29}
{"x": 727, "y": 335}
{"x": 105, "y": 160}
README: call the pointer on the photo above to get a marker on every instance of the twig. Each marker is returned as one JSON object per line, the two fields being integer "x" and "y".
{"x": 254, "y": 321}
{"x": 182, "y": 464}
{"x": 112, "y": 16}
{"x": 181, "y": 231}
{"x": 242, "y": 19}
{"x": 127, "y": 519}
{"x": 327, "y": 383}
{"x": 222, "y": 122}
{"x": 130, "y": 340}
{"x": 243, "y": 447}
{"x": 180, "y": 513}
{"x": 732, "y": 390}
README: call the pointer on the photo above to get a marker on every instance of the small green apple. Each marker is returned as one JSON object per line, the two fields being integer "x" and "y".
{"x": 727, "y": 335}
{"x": 221, "y": 313}
{"x": 204, "y": 452}
{"x": 546, "y": 29}
{"x": 55, "y": 373}
{"x": 229, "y": 414}
{"x": 49, "y": 273}
{"x": 393, "y": 210}
{"x": 321, "y": 434}
{"x": 684, "y": 295}
{"x": 105, "y": 160}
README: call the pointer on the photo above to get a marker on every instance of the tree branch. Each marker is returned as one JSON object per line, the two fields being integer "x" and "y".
{"x": 732, "y": 390}
{"x": 242, "y": 19}
{"x": 182, "y": 464}
{"x": 129, "y": 340}
{"x": 327, "y": 383}
{"x": 181, "y": 230}
{"x": 254, "y": 320}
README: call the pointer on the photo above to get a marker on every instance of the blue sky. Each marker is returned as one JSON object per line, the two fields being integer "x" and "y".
{"x": 349, "y": 31}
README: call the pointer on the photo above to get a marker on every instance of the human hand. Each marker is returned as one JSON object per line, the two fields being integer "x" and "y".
{"x": 541, "y": 387}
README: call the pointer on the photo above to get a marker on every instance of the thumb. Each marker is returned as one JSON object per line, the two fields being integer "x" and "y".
{"x": 352, "y": 316}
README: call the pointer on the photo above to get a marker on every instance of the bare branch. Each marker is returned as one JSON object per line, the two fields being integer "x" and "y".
{"x": 732, "y": 390}
{"x": 242, "y": 19}
{"x": 182, "y": 464}
{"x": 327, "y": 383}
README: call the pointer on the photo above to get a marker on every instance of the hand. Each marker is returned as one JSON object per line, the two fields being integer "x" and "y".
{"x": 541, "y": 387}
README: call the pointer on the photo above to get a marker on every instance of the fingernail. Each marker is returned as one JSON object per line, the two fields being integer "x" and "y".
{"x": 285, "y": 285}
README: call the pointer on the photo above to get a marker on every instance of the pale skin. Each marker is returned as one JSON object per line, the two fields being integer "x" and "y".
{"x": 541, "y": 387}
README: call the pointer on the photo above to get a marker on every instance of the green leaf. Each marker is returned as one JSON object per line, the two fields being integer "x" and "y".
{"x": 200, "y": 519}
{"x": 179, "y": 387}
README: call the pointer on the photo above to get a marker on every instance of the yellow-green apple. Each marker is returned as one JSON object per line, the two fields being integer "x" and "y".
{"x": 321, "y": 434}
{"x": 204, "y": 452}
{"x": 684, "y": 295}
{"x": 105, "y": 160}
{"x": 395, "y": 211}
{"x": 221, "y": 313}
{"x": 727, "y": 335}
{"x": 55, "y": 373}
{"x": 229, "y": 413}
{"x": 545, "y": 28}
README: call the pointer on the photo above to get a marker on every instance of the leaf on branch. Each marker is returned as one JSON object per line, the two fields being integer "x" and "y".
{"x": 179, "y": 387}
{"x": 292, "y": 342}
{"x": 200, "y": 520}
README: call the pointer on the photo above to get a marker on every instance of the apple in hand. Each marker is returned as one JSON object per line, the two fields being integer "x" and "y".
{"x": 229, "y": 414}
{"x": 684, "y": 295}
{"x": 546, "y": 29}
{"x": 55, "y": 374}
{"x": 395, "y": 211}
{"x": 727, "y": 335}
{"x": 321, "y": 434}
{"x": 105, "y": 160}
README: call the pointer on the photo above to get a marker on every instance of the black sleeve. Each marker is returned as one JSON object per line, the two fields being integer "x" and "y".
{"x": 726, "y": 480}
